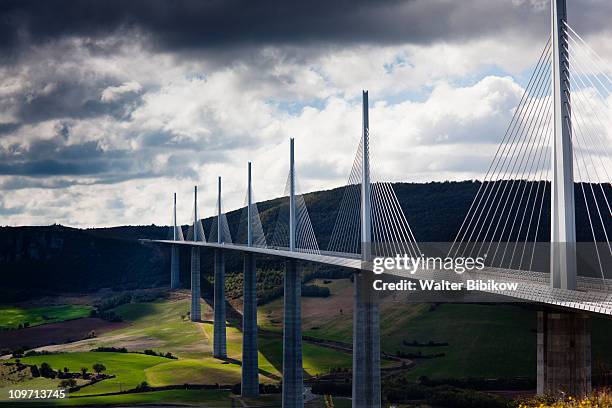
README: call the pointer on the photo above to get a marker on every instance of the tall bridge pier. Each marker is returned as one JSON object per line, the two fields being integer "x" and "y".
{"x": 219, "y": 332}
{"x": 196, "y": 314}
{"x": 250, "y": 366}
{"x": 366, "y": 320}
{"x": 293, "y": 382}
{"x": 564, "y": 338}
{"x": 564, "y": 353}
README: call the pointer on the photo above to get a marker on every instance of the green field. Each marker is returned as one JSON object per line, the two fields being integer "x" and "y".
{"x": 161, "y": 326}
{"x": 474, "y": 333}
{"x": 201, "y": 371}
{"x": 12, "y": 316}
{"x": 128, "y": 368}
{"x": 212, "y": 398}
{"x": 484, "y": 341}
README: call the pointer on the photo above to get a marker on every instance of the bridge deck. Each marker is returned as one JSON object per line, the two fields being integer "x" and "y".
{"x": 593, "y": 295}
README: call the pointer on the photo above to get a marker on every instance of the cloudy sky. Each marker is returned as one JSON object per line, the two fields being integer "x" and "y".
{"x": 107, "y": 107}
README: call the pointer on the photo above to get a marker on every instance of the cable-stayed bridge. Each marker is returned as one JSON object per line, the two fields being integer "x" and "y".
{"x": 548, "y": 184}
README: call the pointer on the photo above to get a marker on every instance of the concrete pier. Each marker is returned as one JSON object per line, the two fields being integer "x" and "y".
{"x": 196, "y": 314}
{"x": 174, "y": 268}
{"x": 250, "y": 366}
{"x": 293, "y": 383}
{"x": 564, "y": 353}
{"x": 366, "y": 343}
{"x": 219, "y": 339}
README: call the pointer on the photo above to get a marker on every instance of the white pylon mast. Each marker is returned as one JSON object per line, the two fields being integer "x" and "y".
{"x": 366, "y": 206}
{"x": 219, "y": 229}
{"x": 291, "y": 196}
{"x": 249, "y": 203}
{"x": 563, "y": 223}
{"x": 195, "y": 213}
{"x": 174, "y": 237}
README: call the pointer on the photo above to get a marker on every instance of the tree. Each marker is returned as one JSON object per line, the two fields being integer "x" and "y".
{"x": 46, "y": 370}
{"x": 34, "y": 371}
{"x": 84, "y": 371}
{"x": 66, "y": 369}
{"x": 143, "y": 386}
{"x": 99, "y": 367}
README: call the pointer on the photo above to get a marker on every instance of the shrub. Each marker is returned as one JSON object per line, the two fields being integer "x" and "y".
{"x": 110, "y": 349}
{"x": 143, "y": 386}
{"x": 67, "y": 383}
{"x": 598, "y": 398}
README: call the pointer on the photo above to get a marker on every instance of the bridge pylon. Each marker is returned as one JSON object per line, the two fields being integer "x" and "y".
{"x": 293, "y": 381}
{"x": 219, "y": 328}
{"x": 562, "y": 209}
{"x": 366, "y": 320}
{"x": 564, "y": 338}
{"x": 196, "y": 312}
{"x": 250, "y": 366}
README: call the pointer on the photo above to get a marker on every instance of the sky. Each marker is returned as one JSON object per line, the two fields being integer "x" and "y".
{"x": 107, "y": 108}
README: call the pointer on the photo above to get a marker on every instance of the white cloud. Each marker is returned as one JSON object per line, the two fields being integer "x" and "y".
{"x": 112, "y": 93}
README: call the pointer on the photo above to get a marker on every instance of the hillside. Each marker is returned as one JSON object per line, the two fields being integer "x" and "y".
{"x": 41, "y": 260}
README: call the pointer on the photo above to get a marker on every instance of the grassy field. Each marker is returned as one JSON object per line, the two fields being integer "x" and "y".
{"x": 201, "y": 371}
{"x": 159, "y": 326}
{"x": 129, "y": 368}
{"x": 12, "y": 316}
{"x": 162, "y": 326}
{"x": 474, "y": 333}
{"x": 212, "y": 398}
{"x": 196, "y": 398}
{"x": 27, "y": 384}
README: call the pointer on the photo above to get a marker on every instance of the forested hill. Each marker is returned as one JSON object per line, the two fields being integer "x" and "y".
{"x": 36, "y": 260}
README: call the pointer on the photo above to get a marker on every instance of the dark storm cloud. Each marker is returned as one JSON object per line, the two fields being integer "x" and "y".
{"x": 80, "y": 164}
{"x": 193, "y": 24}
{"x": 6, "y": 128}
{"x": 76, "y": 99}
{"x": 53, "y": 158}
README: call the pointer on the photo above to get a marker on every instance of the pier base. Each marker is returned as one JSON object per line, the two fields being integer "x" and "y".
{"x": 196, "y": 314}
{"x": 250, "y": 367}
{"x": 366, "y": 343}
{"x": 564, "y": 353}
{"x": 293, "y": 382}
{"x": 219, "y": 338}
{"x": 175, "y": 281}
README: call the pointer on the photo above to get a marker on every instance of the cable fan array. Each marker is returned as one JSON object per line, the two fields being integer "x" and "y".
{"x": 391, "y": 232}
{"x": 196, "y": 230}
{"x": 175, "y": 231}
{"x": 511, "y": 210}
{"x": 590, "y": 119}
{"x": 220, "y": 234}
{"x": 258, "y": 236}
{"x": 305, "y": 238}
